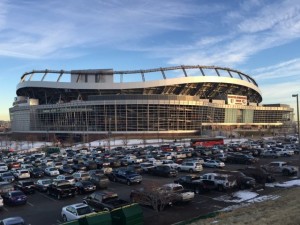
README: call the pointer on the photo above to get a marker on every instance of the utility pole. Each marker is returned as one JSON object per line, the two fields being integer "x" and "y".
{"x": 298, "y": 130}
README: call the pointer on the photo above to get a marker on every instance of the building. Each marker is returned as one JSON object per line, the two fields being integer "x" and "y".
{"x": 173, "y": 100}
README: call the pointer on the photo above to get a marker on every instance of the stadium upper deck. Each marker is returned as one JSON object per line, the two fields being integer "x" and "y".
{"x": 205, "y": 82}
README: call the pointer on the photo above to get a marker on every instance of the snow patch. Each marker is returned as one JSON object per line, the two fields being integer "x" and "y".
{"x": 237, "y": 197}
{"x": 287, "y": 184}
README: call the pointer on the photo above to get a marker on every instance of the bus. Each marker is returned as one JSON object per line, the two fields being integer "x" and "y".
{"x": 206, "y": 142}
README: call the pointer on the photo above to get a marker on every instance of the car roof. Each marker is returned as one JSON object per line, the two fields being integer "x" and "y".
{"x": 13, "y": 220}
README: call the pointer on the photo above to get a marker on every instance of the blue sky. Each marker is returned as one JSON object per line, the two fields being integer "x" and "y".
{"x": 259, "y": 38}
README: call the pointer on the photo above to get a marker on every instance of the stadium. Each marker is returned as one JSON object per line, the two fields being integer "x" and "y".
{"x": 180, "y": 100}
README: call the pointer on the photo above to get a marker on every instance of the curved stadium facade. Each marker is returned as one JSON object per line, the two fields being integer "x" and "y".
{"x": 183, "y": 100}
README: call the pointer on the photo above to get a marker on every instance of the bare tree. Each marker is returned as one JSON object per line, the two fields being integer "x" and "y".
{"x": 154, "y": 196}
{"x": 125, "y": 140}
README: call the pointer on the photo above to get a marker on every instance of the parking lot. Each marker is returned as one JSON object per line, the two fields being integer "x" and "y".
{"x": 43, "y": 209}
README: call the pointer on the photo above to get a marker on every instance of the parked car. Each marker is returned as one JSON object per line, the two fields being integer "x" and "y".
{"x": 241, "y": 158}
{"x": 7, "y": 176}
{"x": 260, "y": 175}
{"x": 85, "y": 186}
{"x": 164, "y": 170}
{"x": 36, "y": 172}
{"x": 61, "y": 188}
{"x": 51, "y": 171}
{"x": 281, "y": 167}
{"x": 105, "y": 200}
{"x": 125, "y": 176}
{"x": 75, "y": 211}
{"x": 269, "y": 154}
{"x": 101, "y": 181}
{"x": 22, "y": 174}
{"x": 69, "y": 178}
{"x": 214, "y": 164}
{"x": 26, "y": 186}
{"x": 80, "y": 175}
{"x": 6, "y": 187}
{"x": 181, "y": 195}
{"x": 42, "y": 184}
{"x": 17, "y": 220}
{"x": 66, "y": 169}
{"x": 190, "y": 166}
{"x": 3, "y": 167}
{"x": 147, "y": 166}
{"x": 16, "y": 197}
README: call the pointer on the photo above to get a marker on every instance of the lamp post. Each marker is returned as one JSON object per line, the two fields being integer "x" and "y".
{"x": 298, "y": 126}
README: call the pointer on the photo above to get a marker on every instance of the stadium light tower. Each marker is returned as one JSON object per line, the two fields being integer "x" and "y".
{"x": 298, "y": 126}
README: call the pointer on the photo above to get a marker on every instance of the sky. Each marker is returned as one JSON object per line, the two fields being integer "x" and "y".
{"x": 258, "y": 37}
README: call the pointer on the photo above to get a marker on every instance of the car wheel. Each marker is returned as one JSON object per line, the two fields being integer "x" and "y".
{"x": 106, "y": 209}
{"x": 286, "y": 172}
{"x": 190, "y": 170}
{"x": 65, "y": 218}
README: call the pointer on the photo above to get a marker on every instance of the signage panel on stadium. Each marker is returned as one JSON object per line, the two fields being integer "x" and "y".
{"x": 237, "y": 100}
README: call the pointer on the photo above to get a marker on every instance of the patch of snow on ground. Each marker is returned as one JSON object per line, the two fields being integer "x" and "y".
{"x": 287, "y": 184}
{"x": 250, "y": 201}
{"x": 237, "y": 197}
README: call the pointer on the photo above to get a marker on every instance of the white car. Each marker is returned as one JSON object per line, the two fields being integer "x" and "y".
{"x": 170, "y": 163}
{"x": 78, "y": 176}
{"x": 69, "y": 178}
{"x": 75, "y": 211}
{"x": 190, "y": 166}
{"x": 51, "y": 171}
{"x": 22, "y": 174}
{"x": 3, "y": 167}
{"x": 214, "y": 164}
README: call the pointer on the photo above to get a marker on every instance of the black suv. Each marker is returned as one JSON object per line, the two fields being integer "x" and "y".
{"x": 26, "y": 186}
{"x": 241, "y": 158}
{"x": 164, "y": 170}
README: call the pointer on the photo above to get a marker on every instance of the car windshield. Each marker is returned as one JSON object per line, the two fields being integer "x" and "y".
{"x": 46, "y": 182}
{"x": 17, "y": 193}
{"x": 84, "y": 210}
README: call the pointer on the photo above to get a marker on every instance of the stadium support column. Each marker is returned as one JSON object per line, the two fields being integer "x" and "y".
{"x": 298, "y": 129}
{"x": 109, "y": 132}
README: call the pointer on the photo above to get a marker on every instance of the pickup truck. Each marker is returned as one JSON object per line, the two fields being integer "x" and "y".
{"x": 280, "y": 167}
{"x": 181, "y": 195}
{"x": 105, "y": 200}
{"x": 194, "y": 183}
{"x": 222, "y": 181}
{"x": 61, "y": 188}
{"x": 242, "y": 180}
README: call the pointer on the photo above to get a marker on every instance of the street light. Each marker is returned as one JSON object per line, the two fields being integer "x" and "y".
{"x": 298, "y": 123}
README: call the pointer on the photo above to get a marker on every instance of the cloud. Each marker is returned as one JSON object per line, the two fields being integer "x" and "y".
{"x": 51, "y": 26}
{"x": 282, "y": 70}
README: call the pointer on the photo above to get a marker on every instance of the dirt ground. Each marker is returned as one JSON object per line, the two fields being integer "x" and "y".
{"x": 284, "y": 210}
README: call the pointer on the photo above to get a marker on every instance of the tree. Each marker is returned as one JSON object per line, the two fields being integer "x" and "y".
{"x": 125, "y": 140}
{"x": 154, "y": 196}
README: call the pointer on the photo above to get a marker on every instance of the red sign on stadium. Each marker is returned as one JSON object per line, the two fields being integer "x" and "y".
{"x": 237, "y": 100}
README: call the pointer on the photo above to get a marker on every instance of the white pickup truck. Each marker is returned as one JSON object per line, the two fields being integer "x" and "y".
{"x": 222, "y": 181}
{"x": 180, "y": 194}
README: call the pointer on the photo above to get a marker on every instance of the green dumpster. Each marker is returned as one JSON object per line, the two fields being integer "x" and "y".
{"x": 127, "y": 215}
{"x": 75, "y": 222}
{"x": 102, "y": 218}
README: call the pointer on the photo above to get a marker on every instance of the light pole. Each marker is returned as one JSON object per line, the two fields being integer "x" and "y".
{"x": 298, "y": 126}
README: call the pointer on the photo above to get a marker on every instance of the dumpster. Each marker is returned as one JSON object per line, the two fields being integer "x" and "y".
{"x": 102, "y": 218}
{"x": 127, "y": 215}
{"x": 75, "y": 222}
